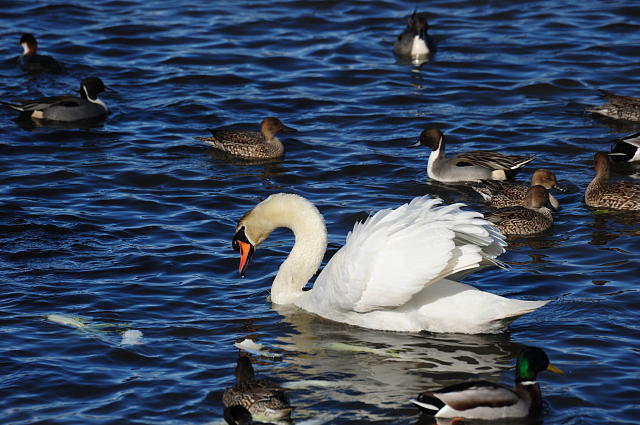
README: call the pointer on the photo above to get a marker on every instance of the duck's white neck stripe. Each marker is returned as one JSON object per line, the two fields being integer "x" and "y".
{"x": 101, "y": 103}
{"x": 96, "y": 100}
{"x": 528, "y": 382}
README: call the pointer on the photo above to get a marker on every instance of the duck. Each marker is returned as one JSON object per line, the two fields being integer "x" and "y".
{"x": 501, "y": 194}
{"x": 31, "y": 61}
{"x": 488, "y": 400}
{"x": 534, "y": 217}
{"x": 414, "y": 42}
{"x": 472, "y": 166}
{"x": 67, "y": 108}
{"x": 602, "y": 194}
{"x": 626, "y": 149}
{"x": 250, "y": 144}
{"x": 263, "y": 398}
{"x": 239, "y": 415}
{"x": 618, "y": 107}
{"x": 395, "y": 271}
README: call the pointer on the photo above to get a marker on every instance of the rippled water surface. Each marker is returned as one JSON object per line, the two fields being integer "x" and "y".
{"x": 127, "y": 224}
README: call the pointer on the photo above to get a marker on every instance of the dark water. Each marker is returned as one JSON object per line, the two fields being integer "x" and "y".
{"x": 127, "y": 225}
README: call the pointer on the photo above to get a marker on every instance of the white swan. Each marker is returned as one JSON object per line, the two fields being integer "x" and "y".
{"x": 391, "y": 274}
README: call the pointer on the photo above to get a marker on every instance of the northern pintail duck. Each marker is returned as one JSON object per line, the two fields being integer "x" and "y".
{"x": 250, "y": 144}
{"x": 468, "y": 166}
{"x": 602, "y": 194}
{"x": 263, "y": 398}
{"x": 618, "y": 107}
{"x": 626, "y": 149}
{"x": 488, "y": 400}
{"x": 31, "y": 61}
{"x": 414, "y": 42}
{"x": 534, "y": 217}
{"x": 67, "y": 108}
{"x": 501, "y": 194}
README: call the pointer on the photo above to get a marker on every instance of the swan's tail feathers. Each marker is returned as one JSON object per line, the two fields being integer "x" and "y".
{"x": 524, "y": 307}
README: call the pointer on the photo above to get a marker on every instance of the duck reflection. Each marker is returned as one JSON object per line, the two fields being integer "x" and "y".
{"x": 605, "y": 230}
{"x": 31, "y": 124}
{"x": 384, "y": 369}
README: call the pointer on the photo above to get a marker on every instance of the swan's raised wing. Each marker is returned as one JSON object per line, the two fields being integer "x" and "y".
{"x": 394, "y": 254}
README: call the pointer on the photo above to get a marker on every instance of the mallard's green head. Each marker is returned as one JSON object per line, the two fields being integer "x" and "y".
{"x": 530, "y": 361}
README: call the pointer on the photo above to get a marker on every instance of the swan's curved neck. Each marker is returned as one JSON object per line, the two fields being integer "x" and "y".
{"x": 307, "y": 224}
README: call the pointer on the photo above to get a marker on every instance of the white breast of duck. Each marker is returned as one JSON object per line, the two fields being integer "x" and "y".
{"x": 419, "y": 47}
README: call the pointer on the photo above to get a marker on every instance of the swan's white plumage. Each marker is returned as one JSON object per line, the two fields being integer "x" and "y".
{"x": 394, "y": 254}
{"x": 390, "y": 274}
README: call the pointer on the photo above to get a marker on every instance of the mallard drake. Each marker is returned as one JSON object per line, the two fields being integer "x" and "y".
{"x": 618, "y": 107}
{"x": 501, "y": 194}
{"x": 417, "y": 246}
{"x": 489, "y": 400}
{"x": 263, "y": 398}
{"x": 470, "y": 166}
{"x": 602, "y": 194}
{"x": 534, "y": 217}
{"x": 250, "y": 144}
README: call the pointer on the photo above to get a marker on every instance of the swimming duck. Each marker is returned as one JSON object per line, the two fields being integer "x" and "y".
{"x": 32, "y": 61}
{"x": 618, "y": 107}
{"x": 468, "y": 166}
{"x": 602, "y": 194}
{"x": 250, "y": 144}
{"x": 626, "y": 149}
{"x": 501, "y": 194}
{"x": 261, "y": 397}
{"x": 392, "y": 273}
{"x": 414, "y": 42}
{"x": 488, "y": 400}
{"x": 534, "y": 217}
{"x": 67, "y": 108}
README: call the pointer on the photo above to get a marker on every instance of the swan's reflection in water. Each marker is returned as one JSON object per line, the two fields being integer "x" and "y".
{"x": 378, "y": 372}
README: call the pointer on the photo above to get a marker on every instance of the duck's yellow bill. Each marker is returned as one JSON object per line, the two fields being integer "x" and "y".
{"x": 552, "y": 368}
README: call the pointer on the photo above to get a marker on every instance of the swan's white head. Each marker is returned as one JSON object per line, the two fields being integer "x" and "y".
{"x": 278, "y": 210}
{"x": 251, "y": 231}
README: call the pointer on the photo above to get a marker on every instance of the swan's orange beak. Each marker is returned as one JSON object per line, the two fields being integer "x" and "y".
{"x": 240, "y": 243}
{"x": 246, "y": 252}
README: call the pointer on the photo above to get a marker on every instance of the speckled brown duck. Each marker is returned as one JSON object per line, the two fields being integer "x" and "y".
{"x": 250, "y": 144}
{"x": 264, "y": 399}
{"x": 602, "y": 194}
{"x": 534, "y": 217}
{"x": 502, "y": 194}
{"x": 618, "y": 107}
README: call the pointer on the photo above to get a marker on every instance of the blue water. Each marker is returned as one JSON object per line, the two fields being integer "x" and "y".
{"x": 128, "y": 224}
